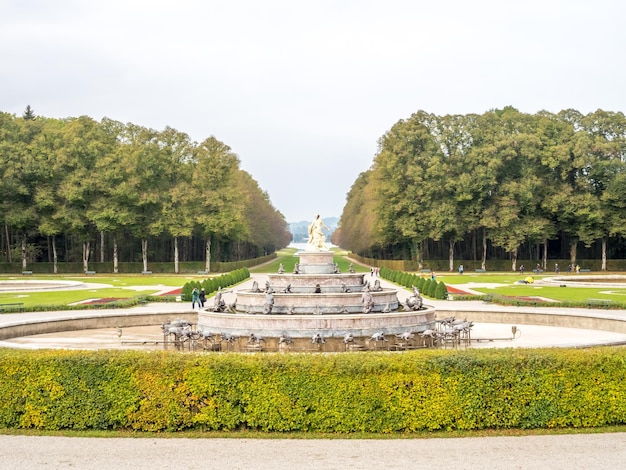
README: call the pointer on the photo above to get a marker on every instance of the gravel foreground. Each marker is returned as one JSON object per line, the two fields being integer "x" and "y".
{"x": 572, "y": 451}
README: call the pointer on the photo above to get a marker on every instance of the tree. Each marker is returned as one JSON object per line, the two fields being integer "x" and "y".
{"x": 509, "y": 217}
{"x": 112, "y": 210}
{"x": 20, "y": 175}
{"x": 177, "y": 208}
{"x": 149, "y": 173}
{"x": 47, "y": 198}
{"x": 29, "y": 114}
{"x": 218, "y": 212}
{"x": 357, "y": 229}
{"x": 399, "y": 177}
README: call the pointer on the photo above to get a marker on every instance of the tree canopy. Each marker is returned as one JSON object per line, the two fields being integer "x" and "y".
{"x": 511, "y": 179}
{"x": 78, "y": 183}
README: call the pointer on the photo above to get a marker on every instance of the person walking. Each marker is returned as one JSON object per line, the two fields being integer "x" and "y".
{"x": 202, "y": 297}
{"x": 195, "y": 297}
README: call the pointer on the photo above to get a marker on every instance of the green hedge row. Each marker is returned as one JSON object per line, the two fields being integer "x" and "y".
{"x": 213, "y": 284}
{"x": 351, "y": 392}
{"x": 184, "y": 267}
{"x": 427, "y": 286}
{"x": 492, "y": 265}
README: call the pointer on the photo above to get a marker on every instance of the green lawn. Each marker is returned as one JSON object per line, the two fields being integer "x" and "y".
{"x": 124, "y": 286}
{"x": 30, "y": 299}
{"x": 553, "y": 292}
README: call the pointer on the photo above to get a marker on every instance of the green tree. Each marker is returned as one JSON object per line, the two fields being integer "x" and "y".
{"x": 399, "y": 177}
{"x": 29, "y": 114}
{"x": 149, "y": 173}
{"x": 20, "y": 176}
{"x": 218, "y": 211}
{"x": 178, "y": 201}
{"x": 113, "y": 209}
{"x": 266, "y": 227}
{"x": 83, "y": 144}
{"x": 47, "y": 199}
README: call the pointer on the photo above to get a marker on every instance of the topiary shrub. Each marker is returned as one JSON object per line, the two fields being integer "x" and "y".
{"x": 441, "y": 292}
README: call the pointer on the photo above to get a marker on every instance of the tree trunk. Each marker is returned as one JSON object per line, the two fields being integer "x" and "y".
{"x": 207, "y": 266}
{"x": 55, "y": 259}
{"x": 102, "y": 247}
{"x": 483, "y": 262}
{"x": 451, "y": 255}
{"x": 572, "y": 254}
{"x": 115, "y": 255}
{"x": 144, "y": 253}
{"x": 545, "y": 255}
{"x": 86, "y": 253}
{"x": 417, "y": 252}
{"x": 24, "y": 252}
{"x": 176, "y": 255}
{"x": 474, "y": 245}
{"x": 603, "y": 253}
{"x": 514, "y": 260}
{"x": 6, "y": 229}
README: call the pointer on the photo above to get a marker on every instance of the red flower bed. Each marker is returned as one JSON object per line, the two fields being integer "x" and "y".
{"x": 454, "y": 290}
{"x": 103, "y": 300}
{"x": 174, "y": 292}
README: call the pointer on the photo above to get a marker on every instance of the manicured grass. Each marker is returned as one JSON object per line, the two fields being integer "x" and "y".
{"x": 115, "y": 280}
{"x": 554, "y": 292}
{"x": 564, "y": 294}
{"x": 117, "y": 287}
{"x": 71, "y": 296}
{"x": 124, "y": 286}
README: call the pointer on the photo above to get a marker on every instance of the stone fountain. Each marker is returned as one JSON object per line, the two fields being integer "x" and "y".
{"x": 315, "y": 307}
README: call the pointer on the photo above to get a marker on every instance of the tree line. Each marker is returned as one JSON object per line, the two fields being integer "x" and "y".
{"x": 74, "y": 189}
{"x": 492, "y": 185}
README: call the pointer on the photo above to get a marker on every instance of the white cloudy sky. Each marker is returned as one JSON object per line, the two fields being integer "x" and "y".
{"x": 302, "y": 91}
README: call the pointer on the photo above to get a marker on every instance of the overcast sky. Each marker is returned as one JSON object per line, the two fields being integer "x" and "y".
{"x": 302, "y": 91}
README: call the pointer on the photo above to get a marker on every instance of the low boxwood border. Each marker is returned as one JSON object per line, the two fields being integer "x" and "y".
{"x": 339, "y": 393}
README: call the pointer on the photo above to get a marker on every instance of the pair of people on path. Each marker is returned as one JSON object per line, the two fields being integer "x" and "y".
{"x": 198, "y": 297}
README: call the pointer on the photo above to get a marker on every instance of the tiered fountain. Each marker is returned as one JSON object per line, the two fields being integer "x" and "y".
{"x": 315, "y": 307}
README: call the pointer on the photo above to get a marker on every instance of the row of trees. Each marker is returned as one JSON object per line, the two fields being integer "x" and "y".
{"x": 81, "y": 180}
{"x": 504, "y": 178}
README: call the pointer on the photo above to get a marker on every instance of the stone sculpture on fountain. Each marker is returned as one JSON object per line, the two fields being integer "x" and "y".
{"x": 317, "y": 239}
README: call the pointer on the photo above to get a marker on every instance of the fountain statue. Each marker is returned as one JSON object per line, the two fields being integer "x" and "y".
{"x": 317, "y": 301}
{"x": 317, "y": 239}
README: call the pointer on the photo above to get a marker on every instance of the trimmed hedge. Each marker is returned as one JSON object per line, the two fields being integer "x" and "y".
{"x": 189, "y": 267}
{"x": 492, "y": 265}
{"x": 427, "y": 286}
{"x": 213, "y": 284}
{"x": 349, "y": 392}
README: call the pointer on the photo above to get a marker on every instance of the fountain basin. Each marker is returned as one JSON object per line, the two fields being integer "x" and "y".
{"x": 311, "y": 303}
{"x": 305, "y": 326}
{"x": 352, "y": 281}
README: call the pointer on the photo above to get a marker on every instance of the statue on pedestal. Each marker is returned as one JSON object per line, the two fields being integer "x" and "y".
{"x": 317, "y": 239}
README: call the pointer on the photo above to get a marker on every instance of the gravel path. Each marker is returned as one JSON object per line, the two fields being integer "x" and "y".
{"x": 554, "y": 452}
